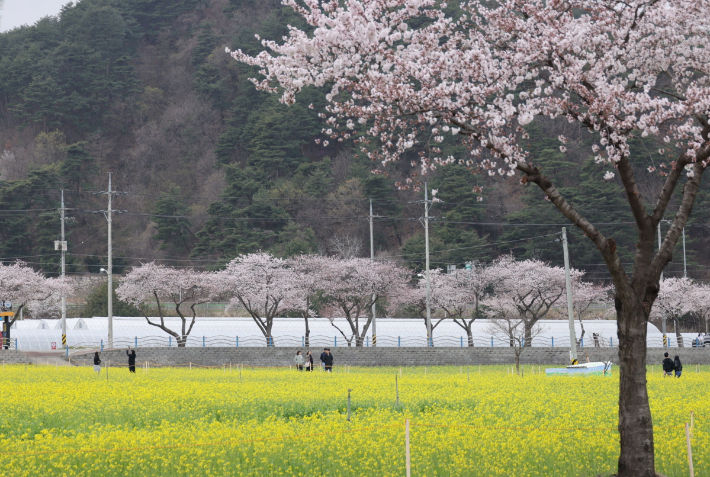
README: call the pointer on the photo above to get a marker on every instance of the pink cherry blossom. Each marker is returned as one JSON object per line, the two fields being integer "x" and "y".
{"x": 351, "y": 287}
{"x": 24, "y": 286}
{"x": 266, "y": 287}
{"x": 179, "y": 288}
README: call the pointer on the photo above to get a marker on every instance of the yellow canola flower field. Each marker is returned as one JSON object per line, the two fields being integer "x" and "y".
{"x": 177, "y": 421}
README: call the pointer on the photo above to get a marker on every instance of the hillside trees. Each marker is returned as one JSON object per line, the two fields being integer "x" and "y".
{"x": 172, "y": 228}
{"x": 486, "y": 75}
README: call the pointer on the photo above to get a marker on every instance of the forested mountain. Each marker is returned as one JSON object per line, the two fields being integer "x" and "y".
{"x": 211, "y": 168}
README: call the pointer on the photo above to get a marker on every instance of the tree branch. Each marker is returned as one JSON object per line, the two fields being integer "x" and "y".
{"x": 690, "y": 192}
{"x": 628, "y": 180}
{"x": 668, "y": 189}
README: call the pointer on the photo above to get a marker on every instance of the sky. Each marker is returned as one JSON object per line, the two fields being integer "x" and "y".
{"x": 14, "y": 13}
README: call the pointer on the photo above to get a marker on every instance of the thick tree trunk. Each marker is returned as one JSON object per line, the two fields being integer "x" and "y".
{"x": 469, "y": 333}
{"x": 308, "y": 334}
{"x": 528, "y": 334}
{"x": 635, "y": 424}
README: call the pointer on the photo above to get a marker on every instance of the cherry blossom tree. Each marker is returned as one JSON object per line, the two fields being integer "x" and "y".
{"x": 168, "y": 287}
{"x": 265, "y": 286}
{"x": 584, "y": 295}
{"x": 531, "y": 287}
{"x": 306, "y": 269}
{"x": 701, "y": 298}
{"x": 621, "y": 70}
{"x": 24, "y": 286}
{"x": 675, "y": 299}
{"x": 460, "y": 293}
{"x": 352, "y": 286}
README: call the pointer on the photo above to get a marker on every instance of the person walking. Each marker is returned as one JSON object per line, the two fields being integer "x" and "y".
{"x": 97, "y": 363}
{"x": 328, "y": 360}
{"x": 309, "y": 361}
{"x": 131, "y": 359}
{"x": 299, "y": 361}
{"x": 667, "y": 366}
{"x": 322, "y": 359}
{"x": 677, "y": 366}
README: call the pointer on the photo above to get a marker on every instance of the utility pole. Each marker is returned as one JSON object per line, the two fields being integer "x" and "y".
{"x": 663, "y": 315}
{"x": 63, "y": 247}
{"x": 570, "y": 310}
{"x": 109, "y": 272}
{"x": 372, "y": 258}
{"x": 428, "y": 284}
{"x": 659, "y": 248}
{"x": 685, "y": 263}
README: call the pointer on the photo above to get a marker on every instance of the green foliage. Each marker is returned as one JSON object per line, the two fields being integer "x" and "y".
{"x": 293, "y": 240}
{"x": 206, "y": 42}
{"x": 66, "y": 72}
{"x": 452, "y": 242}
{"x": 602, "y": 202}
{"x": 78, "y": 166}
{"x": 97, "y": 303}
{"x": 174, "y": 232}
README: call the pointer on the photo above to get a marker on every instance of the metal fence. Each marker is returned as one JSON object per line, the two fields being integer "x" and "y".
{"x": 160, "y": 341}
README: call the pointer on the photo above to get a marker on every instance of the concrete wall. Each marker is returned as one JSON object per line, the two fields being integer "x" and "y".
{"x": 13, "y": 356}
{"x": 283, "y": 356}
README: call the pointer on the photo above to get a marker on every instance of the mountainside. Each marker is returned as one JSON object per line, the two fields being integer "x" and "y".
{"x": 211, "y": 168}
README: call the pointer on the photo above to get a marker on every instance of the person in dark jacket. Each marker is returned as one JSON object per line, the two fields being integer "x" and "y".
{"x": 668, "y": 366}
{"x": 97, "y": 363}
{"x": 322, "y": 359}
{"x": 328, "y": 360}
{"x": 309, "y": 361}
{"x": 677, "y": 366}
{"x": 131, "y": 359}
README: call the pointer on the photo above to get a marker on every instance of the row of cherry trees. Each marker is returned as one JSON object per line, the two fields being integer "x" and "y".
{"x": 309, "y": 285}
{"x": 518, "y": 292}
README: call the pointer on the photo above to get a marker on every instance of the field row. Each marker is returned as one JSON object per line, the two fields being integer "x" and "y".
{"x": 166, "y": 421}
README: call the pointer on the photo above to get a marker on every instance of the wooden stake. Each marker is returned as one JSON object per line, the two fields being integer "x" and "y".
{"x": 349, "y": 390}
{"x": 406, "y": 447}
{"x": 690, "y": 451}
{"x": 400, "y": 372}
{"x": 396, "y": 390}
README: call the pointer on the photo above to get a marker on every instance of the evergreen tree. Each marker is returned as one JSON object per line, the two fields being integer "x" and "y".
{"x": 97, "y": 303}
{"x": 172, "y": 229}
{"x": 77, "y": 167}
